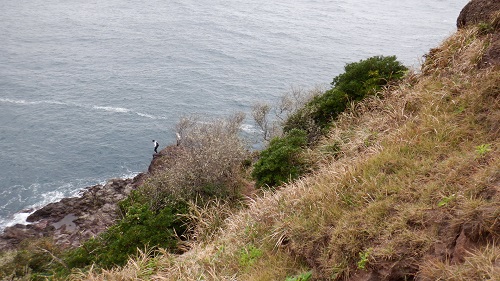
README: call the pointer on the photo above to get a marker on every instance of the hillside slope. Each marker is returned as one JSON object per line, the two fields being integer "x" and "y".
{"x": 413, "y": 194}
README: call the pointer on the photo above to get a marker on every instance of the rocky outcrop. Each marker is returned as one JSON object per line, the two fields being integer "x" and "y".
{"x": 487, "y": 13}
{"x": 73, "y": 220}
{"x": 165, "y": 158}
{"x": 477, "y": 11}
{"x": 492, "y": 55}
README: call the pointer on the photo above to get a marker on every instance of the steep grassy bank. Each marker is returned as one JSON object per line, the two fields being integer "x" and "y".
{"x": 411, "y": 192}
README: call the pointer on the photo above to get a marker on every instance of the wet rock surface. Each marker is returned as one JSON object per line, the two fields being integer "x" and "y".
{"x": 73, "y": 220}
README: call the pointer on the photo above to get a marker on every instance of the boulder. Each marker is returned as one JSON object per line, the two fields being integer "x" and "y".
{"x": 492, "y": 55}
{"x": 485, "y": 12}
{"x": 477, "y": 11}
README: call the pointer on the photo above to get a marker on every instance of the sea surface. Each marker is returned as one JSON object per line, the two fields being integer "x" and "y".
{"x": 85, "y": 85}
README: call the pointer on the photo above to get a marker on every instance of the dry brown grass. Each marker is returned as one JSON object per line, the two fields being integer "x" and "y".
{"x": 417, "y": 165}
{"x": 480, "y": 264}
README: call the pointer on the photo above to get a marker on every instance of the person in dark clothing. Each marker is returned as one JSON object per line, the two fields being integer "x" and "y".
{"x": 156, "y": 144}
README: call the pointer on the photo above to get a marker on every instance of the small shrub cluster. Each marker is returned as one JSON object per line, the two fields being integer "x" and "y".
{"x": 359, "y": 80}
{"x": 249, "y": 255}
{"x": 140, "y": 228}
{"x": 281, "y": 161}
{"x": 36, "y": 258}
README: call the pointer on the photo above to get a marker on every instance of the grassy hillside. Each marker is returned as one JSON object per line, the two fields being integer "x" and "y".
{"x": 412, "y": 192}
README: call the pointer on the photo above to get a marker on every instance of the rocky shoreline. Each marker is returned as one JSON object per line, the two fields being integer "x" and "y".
{"x": 74, "y": 220}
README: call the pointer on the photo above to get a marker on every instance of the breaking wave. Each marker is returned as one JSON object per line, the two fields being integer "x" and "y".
{"x": 93, "y": 107}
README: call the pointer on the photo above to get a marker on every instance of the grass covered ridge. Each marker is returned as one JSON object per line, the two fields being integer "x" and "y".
{"x": 413, "y": 192}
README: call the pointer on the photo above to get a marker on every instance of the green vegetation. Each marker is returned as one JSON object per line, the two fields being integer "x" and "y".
{"x": 301, "y": 277}
{"x": 140, "y": 228}
{"x": 249, "y": 255}
{"x": 359, "y": 80}
{"x": 447, "y": 200}
{"x": 34, "y": 258}
{"x": 483, "y": 149}
{"x": 363, "y": 258}
{"x": 281, "y": 161}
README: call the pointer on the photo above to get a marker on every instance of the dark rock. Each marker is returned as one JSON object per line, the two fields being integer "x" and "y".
{"x": 477, "y": 11}
{"x": 14, "y": 232}
{"x": 164, "y": 159}
{"x": 74, "y": 220}
{"x": 488, "y": 13}
{"x": 492, "y": 55}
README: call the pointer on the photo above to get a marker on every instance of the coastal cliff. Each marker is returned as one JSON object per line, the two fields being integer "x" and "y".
{"x": 411, "y": 190}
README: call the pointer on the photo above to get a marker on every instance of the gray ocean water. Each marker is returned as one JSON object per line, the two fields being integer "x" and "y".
{"x": 85, "y": 85}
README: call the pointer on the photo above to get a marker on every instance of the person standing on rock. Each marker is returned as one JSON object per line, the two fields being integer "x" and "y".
{"x": 156, "y": 144}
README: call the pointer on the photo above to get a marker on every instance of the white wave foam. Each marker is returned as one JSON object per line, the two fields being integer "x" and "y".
{"x": 126, "y": 110}
{"x": 129, "y": 175}
{"x": 146, "y": 115}
{"x": 21, "y": 216}
{"x": 248, "y": 128}
{"x": 96, "y": 107}
{"x": 149, "y": 116}
{"x": 112, "y": 109}
{"x": 25, "y": 102}
{"x": 17, "y": 218}
{"x": 13, "y": 101}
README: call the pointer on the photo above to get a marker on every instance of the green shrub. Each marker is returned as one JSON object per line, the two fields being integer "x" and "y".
{"x": 359, "y": 80}
{"x": 249, "y": 255}
{"x": 34, "y": 259}
{"x": 301, "y": 277}
{"x": 368, "y": 76}
{"x": 280, "y": 162}
{"x": 364, "y": 258}
{"x": 140, "y": 228}
{"x": 322, "y": 109}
